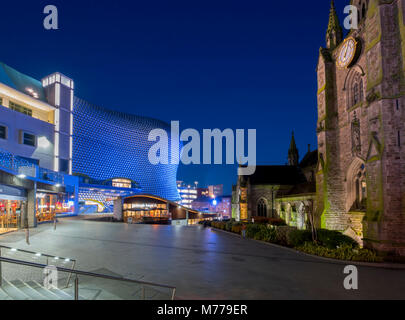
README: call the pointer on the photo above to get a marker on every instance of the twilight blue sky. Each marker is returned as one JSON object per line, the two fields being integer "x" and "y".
{"x": 209, "y": 64}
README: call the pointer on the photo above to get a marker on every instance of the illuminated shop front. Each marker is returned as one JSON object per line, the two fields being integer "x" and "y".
{"x": 155, "y": 210}
{"x": 11, "y": 202}
{"x": 145, "y": 209}
{"x": 10, "y": 215}
{"x": 48, "y": 205}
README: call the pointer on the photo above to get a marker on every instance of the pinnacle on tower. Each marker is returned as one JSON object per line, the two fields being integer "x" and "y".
{"x": 334, "y": 34}
{"x": 293, "y": 153}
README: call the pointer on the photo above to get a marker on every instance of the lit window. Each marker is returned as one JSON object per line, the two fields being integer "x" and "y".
{"x": 21, "y": 109}
{"x": 65, "y": 81}
{"x": 122, "y": 183}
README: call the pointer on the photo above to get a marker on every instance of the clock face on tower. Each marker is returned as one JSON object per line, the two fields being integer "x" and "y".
{"x": 347, "y": 53}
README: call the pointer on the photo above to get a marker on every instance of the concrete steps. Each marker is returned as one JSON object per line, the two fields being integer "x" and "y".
{"x": 13, "y": 292}
{"x": 33, "y": 290}
{"x": 30, "y": 290}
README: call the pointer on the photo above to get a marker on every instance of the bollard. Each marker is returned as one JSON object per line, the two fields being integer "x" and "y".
{"x": 76, "y": 288}
{"x": 27, "y": 236}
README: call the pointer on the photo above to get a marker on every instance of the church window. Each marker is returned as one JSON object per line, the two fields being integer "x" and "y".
{"x": 397, "y": 104}
{"x": 356, "y": 94}
{"x": 262, "y": 208}
{"x": 361, "y": 94}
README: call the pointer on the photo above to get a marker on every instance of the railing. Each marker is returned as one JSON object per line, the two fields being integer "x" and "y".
{"x": 90, "y": 274}
{"x": 10, "y": 161}
{"x": 39, "y": 255}
{"x": 23, "y": 167}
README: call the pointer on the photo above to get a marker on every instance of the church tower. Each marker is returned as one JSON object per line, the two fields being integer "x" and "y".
{"x": 293, "y": 156}
{"x": 361, "y": 127}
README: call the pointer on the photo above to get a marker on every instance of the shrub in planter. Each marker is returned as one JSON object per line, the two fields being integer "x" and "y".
{"x": 343, "y": 252}
{"x": 282, "y": 234}
{"x": 252, "y": 229}
{"x": 276, "y": 222}
{"x": 207, "y": 223}
{"x": 218, "y": 225}
{"x": 267, "y": 234}
{"x": 333, "y": 239}
{"x": 237, "y": 228}
{"x": 262, "y": 233}
{"x": 271, "y": 221}
{"x": 228, "y": 226}
{"x": 296, "y": 238}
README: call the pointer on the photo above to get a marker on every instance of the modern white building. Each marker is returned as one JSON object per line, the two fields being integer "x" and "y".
{"x": 60, "y": 154}
{"x": 36, "y": 127}
{"x": 36, "y": 120}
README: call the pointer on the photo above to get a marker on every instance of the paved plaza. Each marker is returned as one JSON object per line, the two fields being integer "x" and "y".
{"x": 204, "y": 264}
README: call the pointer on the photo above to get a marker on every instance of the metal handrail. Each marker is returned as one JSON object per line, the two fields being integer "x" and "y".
{"x": 42, "y": 254}
{"x": 90, "y": 274}
{"x": 46, "y": 256}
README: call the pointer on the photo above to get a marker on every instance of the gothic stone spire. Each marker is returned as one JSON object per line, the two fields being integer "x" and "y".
{"x": 334, "y": 34}
{"x": 293, "y": 153}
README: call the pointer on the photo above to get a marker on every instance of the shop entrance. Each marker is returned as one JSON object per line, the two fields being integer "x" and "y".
{"x": 49, "y": 205}
{"x": 10, "y": 215}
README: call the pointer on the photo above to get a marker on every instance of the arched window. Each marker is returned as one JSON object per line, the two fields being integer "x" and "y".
{"x": 262, "y": 208}
{"x": 363, "y": 10}
{"x": 354, "y": 86}
{"x": 356, "y": 186}
{"x": 356, "y": 94}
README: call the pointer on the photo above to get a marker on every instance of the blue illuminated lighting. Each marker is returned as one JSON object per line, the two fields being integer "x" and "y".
{"x": 214, "y": 202}
{"x": 110, "y": 144}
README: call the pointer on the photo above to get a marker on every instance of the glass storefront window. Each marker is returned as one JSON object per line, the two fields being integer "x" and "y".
{"x": 10, "y": 215}
{"x": 122, "y": 183}
{"x": 51, "y": 204}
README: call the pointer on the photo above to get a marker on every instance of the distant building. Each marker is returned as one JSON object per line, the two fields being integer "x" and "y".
{"x": 188, "y": 193}
{"x": 222, "y": 206}
{"x": 155, "y": 210}
{"x": 285, "y": 191}
{"x": 216, "y": 190}
{"x": 203, "y": 192}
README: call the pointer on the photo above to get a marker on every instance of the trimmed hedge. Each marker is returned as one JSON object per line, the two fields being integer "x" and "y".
{"x": 343, "y": 252}
{"x": 271, "y": 221}
{"x": 332, "y": 239}
{"x": 296, "y": 238}
{"x": 330, "y": 244}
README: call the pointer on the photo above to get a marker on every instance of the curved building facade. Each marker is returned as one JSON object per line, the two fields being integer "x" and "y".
{"x": 109, "y": 145}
